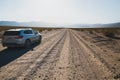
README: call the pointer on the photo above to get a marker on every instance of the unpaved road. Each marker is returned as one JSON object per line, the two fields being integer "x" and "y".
{"x": 62, "y": 55}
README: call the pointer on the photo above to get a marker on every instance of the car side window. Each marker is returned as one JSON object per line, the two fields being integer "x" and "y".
{"x": 28, "y": 32}
{"x": 36, "y": 32}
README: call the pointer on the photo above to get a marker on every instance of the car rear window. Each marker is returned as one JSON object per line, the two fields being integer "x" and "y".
{"x": 11, "y": 33}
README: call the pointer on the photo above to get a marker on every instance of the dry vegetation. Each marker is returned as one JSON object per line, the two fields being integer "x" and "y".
{"x": 103, "y": 36}
{"x": 104, "y": 31}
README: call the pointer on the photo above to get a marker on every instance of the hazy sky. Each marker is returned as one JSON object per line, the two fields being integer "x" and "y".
{"x": 61, "y": 11}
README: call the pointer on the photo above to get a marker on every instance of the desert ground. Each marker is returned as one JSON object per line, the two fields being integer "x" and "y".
{"x": 64, "y": 54}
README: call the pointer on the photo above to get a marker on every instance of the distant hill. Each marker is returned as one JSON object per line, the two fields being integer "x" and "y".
{"x": 110, "y": 25}
{"x": 29, "y": 24}
{"x": 43, "y": 24}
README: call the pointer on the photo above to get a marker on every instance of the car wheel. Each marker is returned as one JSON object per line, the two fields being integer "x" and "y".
{"x": 27, "y": 43}
{"x": 39, "y": 41}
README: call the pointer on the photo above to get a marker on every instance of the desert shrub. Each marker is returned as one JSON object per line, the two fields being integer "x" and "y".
{"x": 109, "y": 32}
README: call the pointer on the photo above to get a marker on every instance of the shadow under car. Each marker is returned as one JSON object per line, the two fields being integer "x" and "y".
{"x": 10, "y": 54}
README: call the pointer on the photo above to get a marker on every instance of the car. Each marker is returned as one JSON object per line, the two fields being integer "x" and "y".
{"x": 22, "y": 37}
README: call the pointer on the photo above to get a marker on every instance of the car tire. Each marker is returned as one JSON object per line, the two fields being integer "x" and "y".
{"x": 27, "y": 43}
{"x": 39, "y": 40}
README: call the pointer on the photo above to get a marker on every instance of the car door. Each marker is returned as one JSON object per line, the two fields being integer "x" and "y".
{"x": 36, "y": 37}
{"x": 29, "y": 35}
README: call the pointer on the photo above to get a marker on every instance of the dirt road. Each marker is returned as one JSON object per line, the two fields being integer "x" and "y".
{"x": 62, "y": 55}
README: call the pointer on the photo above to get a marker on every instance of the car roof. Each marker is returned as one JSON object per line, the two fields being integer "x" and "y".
{"x": 19, "y": 29}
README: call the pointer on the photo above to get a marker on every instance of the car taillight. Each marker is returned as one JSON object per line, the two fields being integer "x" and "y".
{"x": 18, "y": 37}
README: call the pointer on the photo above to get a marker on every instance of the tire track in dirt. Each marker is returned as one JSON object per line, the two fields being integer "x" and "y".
{"x": 75, "y": 67}
{"x": 93, "y": 67}
{"x": 100, "y": 57}
{"x": 50, "y": 35}
{"x": 81, "y": 62}
{"x": 40, "y": 60}
{"x": 60, "y": 71}
{"x": 19, "y": 66}
{"x": 44, "y": 66}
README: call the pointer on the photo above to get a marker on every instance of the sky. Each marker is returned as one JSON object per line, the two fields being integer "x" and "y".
{"x": 61, "y": 11}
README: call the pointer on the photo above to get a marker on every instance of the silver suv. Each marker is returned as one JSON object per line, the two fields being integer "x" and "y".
{"x": 20, "y": 37}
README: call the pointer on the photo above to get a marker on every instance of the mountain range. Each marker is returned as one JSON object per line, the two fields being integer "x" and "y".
{"x": 44, "y": 24}
{"x": 26, "y": 24}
